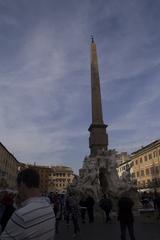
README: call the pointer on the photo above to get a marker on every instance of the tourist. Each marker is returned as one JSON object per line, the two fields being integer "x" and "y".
{"x": 82, "y": 204}
{"x": 73, "y": 210}
{"x": 57, "y": 207}
{"x": 67, "y": 209}
{"x": 125, "y": 216}
{"x": 35, "y": 218}
{"x": 7, "y": 202}
{"x": 90, "y": 208}
{"x": 145, "y": 200}
{"x": 157, "y": 202}
{"x": 2, "y": 207}
{"x": 106, "y": 204}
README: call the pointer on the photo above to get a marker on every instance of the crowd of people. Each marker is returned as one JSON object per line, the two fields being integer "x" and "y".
{"x": 150, "y": 200}
{"x": 29, "y": 215}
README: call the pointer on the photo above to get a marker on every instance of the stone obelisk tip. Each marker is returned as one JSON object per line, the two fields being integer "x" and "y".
{"x": 92, "y": 39}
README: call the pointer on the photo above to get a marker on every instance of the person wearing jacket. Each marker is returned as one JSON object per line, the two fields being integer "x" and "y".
{"x": 125, "y": 216}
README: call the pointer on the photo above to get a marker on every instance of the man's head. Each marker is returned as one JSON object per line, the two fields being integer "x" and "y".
{"x": 28, "y": 183}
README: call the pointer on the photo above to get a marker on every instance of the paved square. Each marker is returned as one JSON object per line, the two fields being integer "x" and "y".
{"x": 103, "y": 231}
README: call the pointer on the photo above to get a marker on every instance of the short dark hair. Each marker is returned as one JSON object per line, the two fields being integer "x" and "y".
{"x": 30, "y": 177}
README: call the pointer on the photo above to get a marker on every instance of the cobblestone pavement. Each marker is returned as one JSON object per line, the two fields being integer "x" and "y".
{"x": 103, "y": 231}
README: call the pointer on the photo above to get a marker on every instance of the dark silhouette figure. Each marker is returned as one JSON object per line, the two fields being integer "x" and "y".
{"x": 145, "y": 200}
{"x": 73, "y": 210}
{"x": 90, "y": 208}
{"x": 57, "y": 207}
{"x": 9, "y": 209}
{"x": 106, "y": 204}
{"x": 157, "y": 202}
{"x": 125, "y": 216}
{"x": 83, "y": 208}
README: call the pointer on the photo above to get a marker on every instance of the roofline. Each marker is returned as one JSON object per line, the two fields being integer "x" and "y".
{"x": 125, "y": 162}
{"x": 58, "y": 168}
{"x": 9, "y": 153}
{"x": 146, "y": 147}
{"x": 138, "y": 152}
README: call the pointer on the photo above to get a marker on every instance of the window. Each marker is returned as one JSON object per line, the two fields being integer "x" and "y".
{"x": 141, "y": 160}
{"x": 147, "y": 171}
{"x": 145, "y": 158}
{"x": 150, "y": 156}
{"x": 137, "y": 174}
{"x": 136, "y": 162}
{"x": 154, "y": 154}
{"x": 142, "y": 173}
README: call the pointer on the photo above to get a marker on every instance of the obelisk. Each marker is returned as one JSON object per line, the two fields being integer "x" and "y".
{"x": 98, "y": 139}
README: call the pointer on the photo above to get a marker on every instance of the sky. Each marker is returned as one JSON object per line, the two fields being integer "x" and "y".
{"x": 45, "y": 95}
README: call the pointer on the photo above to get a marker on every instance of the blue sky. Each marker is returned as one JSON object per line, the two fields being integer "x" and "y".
{"x": 45, "y": 107}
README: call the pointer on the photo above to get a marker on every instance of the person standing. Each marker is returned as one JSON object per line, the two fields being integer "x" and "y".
{"x": 106, "y": 205}
{"x": 82, "y": 204}
{"x": 35, "y": 218}
{"x": 90, "y": 208}
{"x": 57, "y": 207}
{"x": 125, "y": 216}
{"x": 73, "y": 210}
{"x": 9, "y": 209}
{"x": 157, "y": 202}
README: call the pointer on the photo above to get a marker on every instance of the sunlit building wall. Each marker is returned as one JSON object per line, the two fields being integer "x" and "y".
{"x": 60, "y": 178}
{"x": 52, "y": 179}
{"x": 145, "y": 166}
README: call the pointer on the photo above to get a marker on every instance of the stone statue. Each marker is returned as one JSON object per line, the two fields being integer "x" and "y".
{"x": 99, "y": 176}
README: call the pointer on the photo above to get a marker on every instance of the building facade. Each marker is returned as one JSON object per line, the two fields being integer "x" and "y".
{"x": 60, "y": 178}
{"x": 56, "y": 178}
{"x": 8, "y": 168}
{"x": 124, "y": 167}
{"x": 144, "y": 166}
{"x": 122, "y": 158}
{"x": 52, "y": 179}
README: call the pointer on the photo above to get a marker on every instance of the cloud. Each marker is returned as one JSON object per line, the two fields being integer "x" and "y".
{"x": 45, "y": 76}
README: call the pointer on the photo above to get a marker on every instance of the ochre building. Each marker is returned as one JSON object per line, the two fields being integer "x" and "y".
{"x": 145, "y": 166}
{"x": 52, "y": 179}
{"x": 60, "y": 178}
